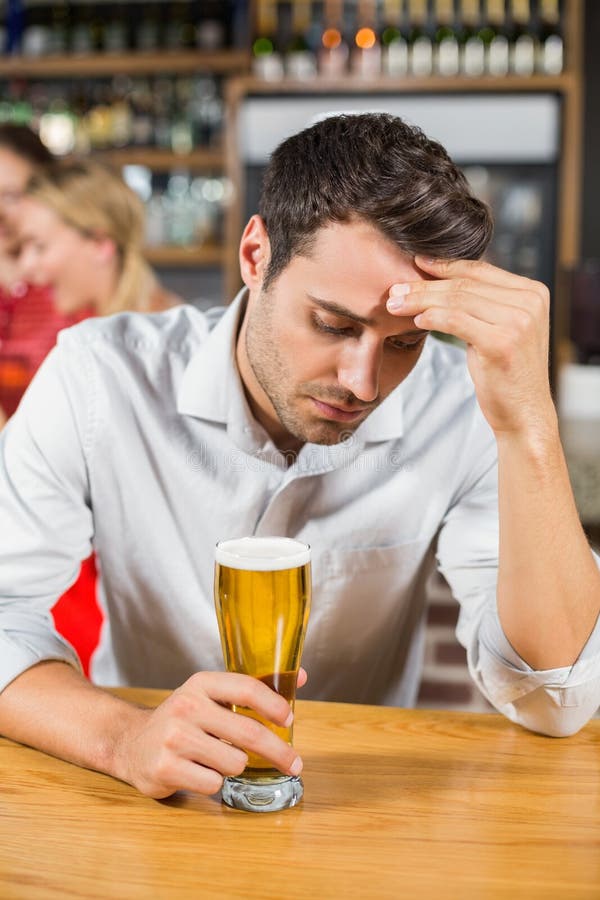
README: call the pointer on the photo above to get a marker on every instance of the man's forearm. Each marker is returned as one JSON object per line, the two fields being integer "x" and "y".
{"x": 548, "y": 582}
{"x": 55, "y": 709}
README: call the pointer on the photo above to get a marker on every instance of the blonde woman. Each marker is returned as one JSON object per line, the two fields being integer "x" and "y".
{"x": 81, "y": 232}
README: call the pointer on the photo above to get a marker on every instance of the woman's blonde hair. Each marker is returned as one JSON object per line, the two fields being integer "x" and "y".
{"x": 97, "y": 203}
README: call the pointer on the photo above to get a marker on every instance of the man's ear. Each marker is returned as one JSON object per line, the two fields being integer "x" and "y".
{"x": 255, "y": 253}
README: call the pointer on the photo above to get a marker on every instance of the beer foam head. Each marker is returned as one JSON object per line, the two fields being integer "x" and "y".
{"x": 262, "y": 554}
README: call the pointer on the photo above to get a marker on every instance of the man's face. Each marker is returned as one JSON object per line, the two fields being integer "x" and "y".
{"x": 318, "y": 351}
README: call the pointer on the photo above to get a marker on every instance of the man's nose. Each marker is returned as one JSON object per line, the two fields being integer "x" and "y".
{"x": 358, "y": 372}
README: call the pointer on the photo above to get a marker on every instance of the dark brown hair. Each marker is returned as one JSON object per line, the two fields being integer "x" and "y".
{"x": 374, "y": 167}
{"x": 24, "y": 142}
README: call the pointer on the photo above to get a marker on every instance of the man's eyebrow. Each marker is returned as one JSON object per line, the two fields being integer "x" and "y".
{"x": 339, "y": 310}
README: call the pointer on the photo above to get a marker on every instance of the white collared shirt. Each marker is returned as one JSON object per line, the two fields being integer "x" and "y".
{"x": 135, "y": 439}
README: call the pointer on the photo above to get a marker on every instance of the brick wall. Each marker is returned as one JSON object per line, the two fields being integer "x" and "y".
{"x": 446, "y": 683}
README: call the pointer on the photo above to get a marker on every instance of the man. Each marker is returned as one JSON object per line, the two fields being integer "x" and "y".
{"x": 315, "y": 407}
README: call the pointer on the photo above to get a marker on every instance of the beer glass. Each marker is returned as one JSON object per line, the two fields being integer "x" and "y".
{"x": 262, "y": 599}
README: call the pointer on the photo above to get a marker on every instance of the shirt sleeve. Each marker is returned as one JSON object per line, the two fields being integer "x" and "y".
{"x": 556, "y": 702}
{"x": 46, "y": 523}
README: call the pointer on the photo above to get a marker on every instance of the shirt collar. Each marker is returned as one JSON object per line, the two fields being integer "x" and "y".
{"x": 386, "y": 422}
{"x": 211, "y": 378}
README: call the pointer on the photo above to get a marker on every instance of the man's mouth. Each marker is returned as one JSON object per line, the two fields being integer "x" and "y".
{"x": 338, "y": 413}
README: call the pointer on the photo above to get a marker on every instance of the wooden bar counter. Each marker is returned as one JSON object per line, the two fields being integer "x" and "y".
{"x": 398, "y": 803}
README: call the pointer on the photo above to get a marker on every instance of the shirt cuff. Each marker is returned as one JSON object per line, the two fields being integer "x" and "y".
{"x": 17, "y": 658}
{"x": 507, "y": 677}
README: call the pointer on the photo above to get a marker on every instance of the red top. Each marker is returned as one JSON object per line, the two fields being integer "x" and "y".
{"x": 29, "y": 325}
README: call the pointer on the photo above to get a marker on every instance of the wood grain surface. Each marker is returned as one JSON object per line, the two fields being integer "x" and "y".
{"x": 398, "y": 803}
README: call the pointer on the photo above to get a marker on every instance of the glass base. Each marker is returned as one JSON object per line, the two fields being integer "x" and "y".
{"x": 262, "y": 795}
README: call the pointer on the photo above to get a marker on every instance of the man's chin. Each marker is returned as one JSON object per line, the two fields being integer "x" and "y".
{"x": 312, "y": 429}
{"x": 327, "y": 434}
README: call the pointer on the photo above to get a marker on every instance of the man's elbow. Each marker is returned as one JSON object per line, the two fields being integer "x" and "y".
{"x": 557, "y": 729}
{"x": 546, "y": 711}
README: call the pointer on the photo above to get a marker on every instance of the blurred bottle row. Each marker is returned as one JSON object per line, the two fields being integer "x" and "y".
{"x": 45, "y": 29}
{"x": 304, "y": 38}
{"x": 520, "y": 201}
{"x": 181, "y": 210}
{"x": 174, "y": 114}
{"x": 398, "y": 38}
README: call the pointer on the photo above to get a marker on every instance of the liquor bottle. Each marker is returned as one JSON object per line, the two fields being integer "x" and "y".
{"x": 37, "y": 35}
{"x": 420, "y": 46}
{"x": 5, "y": 110}
{"x": 116, "y": 31}
{"x": 181, "y": 210}
{"x": 181, "y": 135}
{"x": 473, "y": 46}
{"x": 300, "y": 61}
{"x": 20, "y": 110}
{"x": 523, "y": 50}
{"x": 60, "y": 28}
{"x": 15, "y": 24}
{"x": 394, "y": 53}
{"x": 162, "y": 111}
{"x": 333, "y": 56}
{"x": 57, "y": 127}
{"x": 79, "y": 107}
{"x": 267, "y": 63}
{"x": 495, "y": 38}
{"x": 97, "y": 30}
{"x": 142, "y": 127}
{"x": 155, "y": 233}
{"x": 550, "y": 50}
{"x": 315, "y": 28}
{"x": 212, "y": 20}
{"x": 366, "y": 53}
{"x": 100, "y": 123}
{"x": 147, "y": 33}
{"x": 446, "y": 47}
{"x": 189, "y": 36}
{"x": 81, "y": 34}
{"x": 239, "y": 24}
{"x": 121, "y": 116}
{"x": 205, "y": 111}
{"x": 180, "y": 31}
{"x": 210, "y": 35}
{"x": 172, "y": 25}
{"x": 182, "y": 138}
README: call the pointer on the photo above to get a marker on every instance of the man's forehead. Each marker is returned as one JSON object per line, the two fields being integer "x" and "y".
{"x": 348, "y": 252}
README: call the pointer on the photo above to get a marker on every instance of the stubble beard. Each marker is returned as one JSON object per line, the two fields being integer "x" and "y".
{"x": 273, "y": 375}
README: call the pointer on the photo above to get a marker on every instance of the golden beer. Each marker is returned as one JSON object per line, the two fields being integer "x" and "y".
{"x": 262, "y": 599}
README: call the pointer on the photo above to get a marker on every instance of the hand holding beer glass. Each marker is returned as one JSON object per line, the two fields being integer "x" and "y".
{"x": 262, "y": 599}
